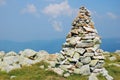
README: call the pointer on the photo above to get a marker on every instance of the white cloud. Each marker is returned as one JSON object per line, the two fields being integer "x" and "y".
{"x": 112, "y": 15}
{"x": 57, "y": 26}
{"x": 56, "y": 10}
{"x": 2, "y": 2}
{"x": 31, "y": 9}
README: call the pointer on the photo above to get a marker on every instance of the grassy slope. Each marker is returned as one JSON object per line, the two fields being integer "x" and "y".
{"x": 35, "y": 73}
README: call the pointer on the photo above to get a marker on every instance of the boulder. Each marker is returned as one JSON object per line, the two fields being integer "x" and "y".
{"x": 28, "y": 53}
{"x": 58, "y": 71}
{"x": 117, "y": 51}
{"x": 26, "y": 61}
{"x": 11, "y": 60}
{"x": 7, "y": 68}
{"x": 66, "y": 74}
{"x": 2, "y": 53}
{"x": 113, "y": 58}
{"x": 85, "y": 70}
{"x": 42, "y": 55}
{"x": 11, "y": 53}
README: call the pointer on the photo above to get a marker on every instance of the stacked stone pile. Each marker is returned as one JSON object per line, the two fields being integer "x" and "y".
{"x": 80, "y": 53}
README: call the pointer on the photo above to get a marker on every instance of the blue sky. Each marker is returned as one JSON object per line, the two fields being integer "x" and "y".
{"x": 27, "y": 20}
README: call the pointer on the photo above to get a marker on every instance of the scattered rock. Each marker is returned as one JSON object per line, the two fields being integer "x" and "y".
{"x": 12, "y": 77}
{"x": 93, "y": 77}
{"x": 105, "y": 73}
{"x": 113, "y": 58}
{"x": 42, "y": 66}
{"x": 117, "y": 51}
{"x": 115, "y": 64}
{"x": 66, "y": 74}
{"x": 28, "y": 53}
{"x": 58, "y": 71}
{"x": 12, "y": 60}
{"x": 11, "y": 53}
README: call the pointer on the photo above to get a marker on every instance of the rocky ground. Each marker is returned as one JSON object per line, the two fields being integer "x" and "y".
{"x": 80, "y": 58}
{"x": 16, "y": 66}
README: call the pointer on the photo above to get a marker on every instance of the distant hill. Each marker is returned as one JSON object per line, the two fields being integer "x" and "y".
{"x": 52, "y": 46}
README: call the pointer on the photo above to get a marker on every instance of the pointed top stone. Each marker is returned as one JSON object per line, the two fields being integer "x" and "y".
{"x": 84, "y": 11}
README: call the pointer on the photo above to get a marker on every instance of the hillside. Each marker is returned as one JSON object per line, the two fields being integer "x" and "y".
{"x": 38, "y": 72}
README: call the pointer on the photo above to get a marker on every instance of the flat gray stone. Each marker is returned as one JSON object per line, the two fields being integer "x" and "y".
{"x": 79, "y": 64}
{"x": 85, "y": 60}
{"x": 84, "y": 45}
{"x": 76, "y": 55}
{"x": 85, "y": 70}
{"x": 93, "y": 62}
{"x": 77, "y": 71}
{"x": 80, "y": 50}
{"x": 88, "y": 54}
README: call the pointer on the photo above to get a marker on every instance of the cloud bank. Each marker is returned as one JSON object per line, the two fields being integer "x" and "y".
{"x": 59, "y": 9}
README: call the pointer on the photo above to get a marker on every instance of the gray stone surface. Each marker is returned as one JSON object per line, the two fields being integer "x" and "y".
{"x": 11, "y": 60}
{"x": 80, "y": 53}
{"x": 93, "y": 77}
{"x": 66, "y": 74}
{"x": 85, "y": 70}
{"x": 85, "y": 60}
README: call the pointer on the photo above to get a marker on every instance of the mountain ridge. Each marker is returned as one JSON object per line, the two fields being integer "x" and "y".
{"x": 53, "y": 46}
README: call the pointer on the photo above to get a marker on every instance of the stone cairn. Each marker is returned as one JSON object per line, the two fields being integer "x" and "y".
{"x": 80, "y": 53}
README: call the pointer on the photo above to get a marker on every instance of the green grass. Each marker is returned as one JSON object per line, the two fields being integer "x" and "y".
{"x": 114, "y": 71}
{"x": 35, "y": 73}
{"x": 100, "y": 77}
